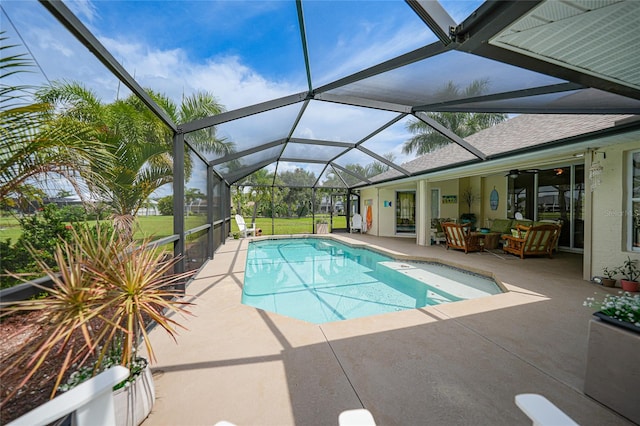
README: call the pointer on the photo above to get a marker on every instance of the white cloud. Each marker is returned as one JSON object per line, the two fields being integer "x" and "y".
{"x": 229, "y": 78}
{"x": 82, "y": 8}
{"x": 48, "y": 42}
{"x": 368, "y": 48}
{"x": 172, "y": 72}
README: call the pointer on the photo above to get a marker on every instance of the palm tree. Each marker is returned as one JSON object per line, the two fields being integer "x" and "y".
{"x": 261, "y": 192}
{"x": 463, "y": 124}
{"x": 378, "y": 167}
{"x": 141, "y": 145}
{"x": 33, "y": 141}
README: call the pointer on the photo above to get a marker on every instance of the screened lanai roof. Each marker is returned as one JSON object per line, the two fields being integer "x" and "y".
{"x": 351, "y": 75}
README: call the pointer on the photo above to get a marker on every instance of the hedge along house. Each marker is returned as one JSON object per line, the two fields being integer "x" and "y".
{"x": 534, "y": 57}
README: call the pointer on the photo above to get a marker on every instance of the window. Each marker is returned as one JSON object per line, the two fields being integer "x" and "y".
{"x": 435, "y": 203}
{"x": 634, "y": 202}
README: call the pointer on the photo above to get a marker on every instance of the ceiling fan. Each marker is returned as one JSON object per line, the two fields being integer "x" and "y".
{"x": 514, "y": 173}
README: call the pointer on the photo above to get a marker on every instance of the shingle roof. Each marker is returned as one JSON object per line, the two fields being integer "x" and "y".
{"x": 523, "y": 131}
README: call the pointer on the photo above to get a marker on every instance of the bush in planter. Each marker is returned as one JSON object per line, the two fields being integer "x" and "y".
{"x": 623, "y": 307}
{"x": 107, "y": 293}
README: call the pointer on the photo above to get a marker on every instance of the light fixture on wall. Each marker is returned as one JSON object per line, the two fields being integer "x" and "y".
{"x": 596, "y": 169}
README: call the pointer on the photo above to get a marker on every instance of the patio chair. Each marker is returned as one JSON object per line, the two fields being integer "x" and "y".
{"x": 459, "y": 236}
{"x": 356, "y": 417}
{"x": 541, "y": 411}
{"x": 557, "y": 222}
{"x": 242, "y": 226}
{"x": 356, "y": 223}
{"x": 536, "y": 240}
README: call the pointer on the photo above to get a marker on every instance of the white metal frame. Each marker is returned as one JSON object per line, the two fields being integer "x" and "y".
{"x": 91, "y": 402}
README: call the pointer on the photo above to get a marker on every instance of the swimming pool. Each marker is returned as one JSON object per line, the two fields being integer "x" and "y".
{"x": 321, "y": 280}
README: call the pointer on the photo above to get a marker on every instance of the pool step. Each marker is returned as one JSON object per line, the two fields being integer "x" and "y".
{"x": 442, "y": 285}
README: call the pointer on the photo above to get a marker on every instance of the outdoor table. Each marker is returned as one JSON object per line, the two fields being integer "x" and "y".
{"x": 488, "y": 240}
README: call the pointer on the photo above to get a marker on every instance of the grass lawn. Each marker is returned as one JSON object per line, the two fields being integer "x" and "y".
{"x": 162, "y": 226}
{"x": 286, "y": 226}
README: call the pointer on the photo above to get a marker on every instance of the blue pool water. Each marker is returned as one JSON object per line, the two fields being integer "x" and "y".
{"x": 321, "y": 280}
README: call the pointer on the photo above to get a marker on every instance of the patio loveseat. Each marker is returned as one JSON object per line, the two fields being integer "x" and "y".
{"x": 535, "y": 240}
{"x": 509, "y": 227}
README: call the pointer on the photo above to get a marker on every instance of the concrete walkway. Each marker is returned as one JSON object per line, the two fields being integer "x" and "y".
{"x": 454, "y": 364}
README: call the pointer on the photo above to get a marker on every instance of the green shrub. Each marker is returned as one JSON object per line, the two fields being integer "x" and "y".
{"x": 165, "y": 205}
{"x": 73, "y": 214}
{"x": 41, "y": 231}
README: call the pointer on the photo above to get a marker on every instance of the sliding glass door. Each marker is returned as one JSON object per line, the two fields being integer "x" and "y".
{"x": 552, "y": 194}
{"x": 561, "y": 197}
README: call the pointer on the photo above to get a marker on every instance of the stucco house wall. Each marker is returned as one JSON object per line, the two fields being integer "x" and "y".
{"x": 370, "y": 194}
{"x": 610, "y": 211}
{"x": 498, "y": 182}
{"x": 448, "y": 187}
{"x": 387, "y": 212}
{"x": 386, "y": 216}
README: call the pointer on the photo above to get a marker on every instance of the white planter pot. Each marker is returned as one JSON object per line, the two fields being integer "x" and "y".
{"x": 613, "y": 369}
{"x": 322, "y": 228}
{"x": 134, "y": 402}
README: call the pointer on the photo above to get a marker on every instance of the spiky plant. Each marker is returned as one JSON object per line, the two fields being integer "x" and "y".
{"x": 108, "y": 291}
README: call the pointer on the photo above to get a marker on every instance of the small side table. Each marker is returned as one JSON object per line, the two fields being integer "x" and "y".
{"x": 488, "y": 240}
{"x": 492, "y": 240}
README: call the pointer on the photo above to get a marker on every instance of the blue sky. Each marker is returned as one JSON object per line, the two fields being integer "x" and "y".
{"x": 244, "y": 52}
{"x": 229, "y": 47}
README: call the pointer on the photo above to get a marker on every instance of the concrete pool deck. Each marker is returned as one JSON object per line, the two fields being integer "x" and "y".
{"x": 458, "y": 363}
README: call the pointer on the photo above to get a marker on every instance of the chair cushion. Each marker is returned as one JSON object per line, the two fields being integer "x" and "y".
{"x": 524, "y": 222}
{"x": 502, "y": 226}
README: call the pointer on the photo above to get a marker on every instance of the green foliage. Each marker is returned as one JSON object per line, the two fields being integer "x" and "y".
{"x": 40, "y": 234}
{"x": 623, "y": 307}
{"x": 13, "y": 260}
{"x": 73, "y": 214}
{"x": 629, "y": 269}
{"x": 108, "y": 290}
{"x": 36, "y": 142}
{"x": 139, "y": 143}
{"x": 111, "y": 359}
{"x": 463, "y": 124}
{"x": 609, "y": 272}
{"x": 303, "y": 210}
{"x": 165, "y": 205}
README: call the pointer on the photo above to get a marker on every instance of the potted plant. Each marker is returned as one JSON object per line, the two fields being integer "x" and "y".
{"x": 630, "y": 272}
{"x": 611, "y": 376}
{"x": 609, "y": 274}
{"x": 469, "y": 198}
{"x": 107, "y": 293}
{"x": 622, "y": 310}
